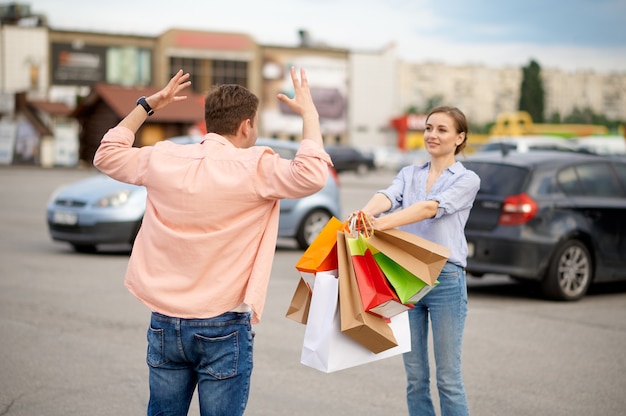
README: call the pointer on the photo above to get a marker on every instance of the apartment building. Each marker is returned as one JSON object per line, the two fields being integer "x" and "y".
{"x": 484, "y": 92}
{"x": 603, "y": 93}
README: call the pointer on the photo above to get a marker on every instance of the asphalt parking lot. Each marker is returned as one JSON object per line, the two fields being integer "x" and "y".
{"x": 73, "y": 338}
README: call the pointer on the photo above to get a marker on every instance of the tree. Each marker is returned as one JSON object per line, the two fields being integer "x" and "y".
{"x": 531, "y": 97}
{"x": 555, "y": 118}
{"x": 586, "y": 116}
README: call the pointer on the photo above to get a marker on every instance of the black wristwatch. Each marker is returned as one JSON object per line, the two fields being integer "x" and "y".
{"x": 142, "y": 102}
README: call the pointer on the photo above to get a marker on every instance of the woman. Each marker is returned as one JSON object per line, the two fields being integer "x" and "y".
{"x": 433, "y": 201}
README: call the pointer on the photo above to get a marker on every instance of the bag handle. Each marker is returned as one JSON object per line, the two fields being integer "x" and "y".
{"x": 360, "y": 223}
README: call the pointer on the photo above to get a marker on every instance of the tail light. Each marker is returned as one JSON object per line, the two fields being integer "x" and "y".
{"x": 517, "y": 209}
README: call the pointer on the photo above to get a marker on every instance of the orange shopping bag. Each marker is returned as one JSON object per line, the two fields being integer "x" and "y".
{"x": 321, "y": 256}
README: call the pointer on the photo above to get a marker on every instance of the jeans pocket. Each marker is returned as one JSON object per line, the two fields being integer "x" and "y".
{"x": 156, "y": 347}
{"x": 449, "y": 271}
{"x": 220, "y": 355}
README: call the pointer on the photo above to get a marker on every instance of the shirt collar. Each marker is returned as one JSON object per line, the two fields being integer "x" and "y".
{"x": 457, "y": 167}
{"x": 214, "y": 137}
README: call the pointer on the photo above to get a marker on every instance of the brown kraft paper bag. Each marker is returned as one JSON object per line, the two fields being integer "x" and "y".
{"x": 367, "y": 329}
{"x": 299, "y": 307}
{"x": 421, "y": 257}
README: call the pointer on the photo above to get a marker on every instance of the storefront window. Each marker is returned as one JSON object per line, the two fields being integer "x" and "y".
{"x": 205, "y": 73}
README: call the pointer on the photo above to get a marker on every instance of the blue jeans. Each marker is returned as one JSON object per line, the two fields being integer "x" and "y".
{"x": 447, "y": 306}
{"x": 215, "y": 354}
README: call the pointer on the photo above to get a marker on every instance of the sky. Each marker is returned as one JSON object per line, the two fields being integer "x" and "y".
{"x": 570, "y": 35}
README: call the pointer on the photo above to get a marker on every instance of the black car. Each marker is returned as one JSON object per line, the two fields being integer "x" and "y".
{"x": 348, "y": 158}
{"x": 553, "y": 217}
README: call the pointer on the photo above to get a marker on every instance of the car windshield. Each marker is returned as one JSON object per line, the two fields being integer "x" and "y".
{"x": 498, "y": 179}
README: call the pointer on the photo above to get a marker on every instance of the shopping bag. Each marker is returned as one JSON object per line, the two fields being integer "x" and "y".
{"x": 300, "y": 303}
{"x": 326, "y": 348}
{"x": 321, "y": 255}
{"x": 377, "y": 295}
{"x": 410, "y": 288}
{"x": 371, "y": 331}
{"x": 419, "y": 256}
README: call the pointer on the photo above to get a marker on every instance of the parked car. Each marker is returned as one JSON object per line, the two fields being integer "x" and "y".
{"x": 552, "y": 217}
{"x": 348, "y": 158}
{"x": 602, "y": 145}
{"x": 528, "y": 143}
{"x": 100, "y": 210}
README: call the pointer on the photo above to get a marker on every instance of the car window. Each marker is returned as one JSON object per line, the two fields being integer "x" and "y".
{"x": 590, "y": 179}
{"x": 544, "y": 183}
{"x": 569, "y": 183}
{"x": 284, "y": 153}
{"x": 499, "y": 179}
{"x": 620, "y": 168}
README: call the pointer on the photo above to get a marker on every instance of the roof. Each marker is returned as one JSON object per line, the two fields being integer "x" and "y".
{"x": 52, "y": 108}
{"x": 212, "y": 40}
{"x": 123, "y": 99}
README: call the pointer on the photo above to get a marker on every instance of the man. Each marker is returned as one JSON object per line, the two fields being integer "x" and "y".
{"x": 203, "y": 256}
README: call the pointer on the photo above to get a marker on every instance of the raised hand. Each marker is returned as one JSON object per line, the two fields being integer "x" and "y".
{"x": 169, "y": 93}
{"x": 302, "y": 103}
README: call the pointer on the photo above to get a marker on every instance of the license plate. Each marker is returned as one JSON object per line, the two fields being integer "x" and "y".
{"x": 65, "y": 218}
{"x": 470, "y": 249}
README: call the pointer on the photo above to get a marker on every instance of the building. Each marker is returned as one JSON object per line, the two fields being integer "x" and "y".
{"x": 603, "y": 93}
{"x": 359, "y": 93}
{"x": 480, "y": 92}
{"x": 373, "y": 98}
{"x": 485, "y": 92}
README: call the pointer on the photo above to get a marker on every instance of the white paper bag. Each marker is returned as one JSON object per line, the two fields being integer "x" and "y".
{"x": 326, "y": 348}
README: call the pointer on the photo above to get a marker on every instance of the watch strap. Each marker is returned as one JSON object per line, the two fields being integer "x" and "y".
{"x": 142, "y": 102}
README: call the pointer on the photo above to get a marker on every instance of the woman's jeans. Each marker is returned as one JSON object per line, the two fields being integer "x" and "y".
{"x": 215, "y": 354}
{"x": 447, "y": 306}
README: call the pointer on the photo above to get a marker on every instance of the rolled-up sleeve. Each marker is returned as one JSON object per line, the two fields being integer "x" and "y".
{"x": 306, "y": 174}
{"x": 395, "y": 191}
{"x": 459, "y": 195}
{"x": 117, "y": 158}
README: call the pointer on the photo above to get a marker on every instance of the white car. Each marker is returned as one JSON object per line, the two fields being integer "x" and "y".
{"x": 602, "y": 145}
{"x": 523, "y": 144}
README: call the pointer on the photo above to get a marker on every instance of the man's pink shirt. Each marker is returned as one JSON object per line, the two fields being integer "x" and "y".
{"x": 209, "y": 231}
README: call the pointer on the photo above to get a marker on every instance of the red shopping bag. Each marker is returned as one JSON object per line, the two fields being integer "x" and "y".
{"x": 377, "y": 295}
{"x": 369, "y": 330}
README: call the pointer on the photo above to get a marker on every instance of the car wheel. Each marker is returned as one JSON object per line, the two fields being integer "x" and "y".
{"x": 311, "y": 226}
{"x": 570, "y": 272}
{"x": 84, "y": 248}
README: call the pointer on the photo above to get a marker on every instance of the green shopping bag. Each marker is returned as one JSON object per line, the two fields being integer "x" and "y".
{"x": 409, "y": 288}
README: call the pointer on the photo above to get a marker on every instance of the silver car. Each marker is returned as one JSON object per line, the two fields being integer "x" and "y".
{"x": 100, "y": 210}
